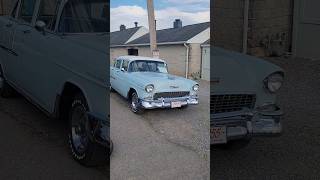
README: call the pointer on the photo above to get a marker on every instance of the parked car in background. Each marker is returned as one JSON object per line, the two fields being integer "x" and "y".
{"x": 243, "y": 98}
{"x": 55, "y": 54}
{"x": 146, "y": 83}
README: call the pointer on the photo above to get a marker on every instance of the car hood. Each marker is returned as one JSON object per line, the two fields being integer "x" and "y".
{"x": 98, "y": 42}
{"x": 235, "y": 72}
{"x": 163, "y": 81}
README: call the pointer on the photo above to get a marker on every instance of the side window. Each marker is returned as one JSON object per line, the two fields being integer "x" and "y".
{"x": 14, "y": 11}
{"x": 47, "y": 13}
{"x": 118, "y": 64}
{"x": 83, "y": 16}
{"x": 104, "y": 13}
{"x": 125, "y": 65}
{"x": 26, "y": 10}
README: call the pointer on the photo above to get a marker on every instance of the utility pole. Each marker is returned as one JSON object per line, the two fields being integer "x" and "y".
{"x": 152, "y": 30}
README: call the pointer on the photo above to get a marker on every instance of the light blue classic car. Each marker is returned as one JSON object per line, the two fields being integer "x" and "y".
{"x": 145, "y": 82}
{"x": 243, "y": 98}
{"x": 55, "y": 54}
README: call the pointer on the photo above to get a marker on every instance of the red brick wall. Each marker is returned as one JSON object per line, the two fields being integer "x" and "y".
{"x": 6, "y": 6}
{"x": 270, "y": 25}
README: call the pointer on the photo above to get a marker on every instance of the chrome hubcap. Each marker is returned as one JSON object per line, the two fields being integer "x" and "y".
{"x": 134, "y": 102}
{"x": 79, "y": 129}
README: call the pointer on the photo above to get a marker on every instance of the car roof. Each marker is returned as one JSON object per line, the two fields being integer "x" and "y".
{"x": 134, "y": 58}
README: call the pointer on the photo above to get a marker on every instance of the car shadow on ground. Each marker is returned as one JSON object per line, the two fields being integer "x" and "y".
{"x": 187, "y": 127}
{"x": 46, "y": 139}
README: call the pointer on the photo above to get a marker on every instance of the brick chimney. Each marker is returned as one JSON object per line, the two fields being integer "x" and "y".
{"x": 177, "y": 23}
{"x": 122, "y": 27}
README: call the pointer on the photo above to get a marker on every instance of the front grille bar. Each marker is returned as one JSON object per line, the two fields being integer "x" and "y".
{"x": 231, "y": 102}
{"x": 178, "y": 94}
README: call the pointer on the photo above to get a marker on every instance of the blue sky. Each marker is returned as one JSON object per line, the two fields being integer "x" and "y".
{"x": 189, "y": 11}
{"x": 191, "y": 5}
{"x": 116, "y": 3}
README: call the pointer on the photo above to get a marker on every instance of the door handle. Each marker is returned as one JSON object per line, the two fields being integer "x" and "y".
{"x": 26, "y": 31}
{"x": 9, "y": 25}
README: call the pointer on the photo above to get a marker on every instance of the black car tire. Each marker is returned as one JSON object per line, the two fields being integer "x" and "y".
{"x": 6, "y": 91}
{"x": 84, "y": 150}
{"x": 135, "y": 105}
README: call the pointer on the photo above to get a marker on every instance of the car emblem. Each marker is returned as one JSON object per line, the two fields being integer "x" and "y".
{"x": 174, "y": 87}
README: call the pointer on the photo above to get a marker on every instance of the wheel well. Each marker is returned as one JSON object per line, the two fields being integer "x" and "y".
{"x": 1, "y": 70}
{"x": 67, "y": 95}
{"x": 130, "y": 93}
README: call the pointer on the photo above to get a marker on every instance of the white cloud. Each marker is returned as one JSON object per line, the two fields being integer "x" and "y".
{"x": 189, "y": 5}
{"x": 127, "y": 15}
{"x": 188, "y": 1}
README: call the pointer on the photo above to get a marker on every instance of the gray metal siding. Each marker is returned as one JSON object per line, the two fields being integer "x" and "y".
{"x": 306, "y": 33}
{"x": 205, "y": 64}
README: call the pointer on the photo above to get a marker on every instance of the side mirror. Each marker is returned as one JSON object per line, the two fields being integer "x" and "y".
{"x": 40, "y": 25}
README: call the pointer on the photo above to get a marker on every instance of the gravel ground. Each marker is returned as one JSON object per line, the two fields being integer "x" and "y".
{"x": 294, "y": 155}
{"x": 35, "y": 147}
{"x": 160, "y": 144}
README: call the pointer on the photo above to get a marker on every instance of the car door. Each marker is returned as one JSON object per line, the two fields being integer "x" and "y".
{"x": 122, "y": 76}
{"x": 8, "y": 56}
{"x": 24, "y": 31}
{"x": 115, "y": 75}
{"x": 38, "y": 47}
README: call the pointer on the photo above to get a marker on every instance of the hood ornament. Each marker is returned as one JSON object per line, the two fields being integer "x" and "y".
{"x": 174, "y": 87}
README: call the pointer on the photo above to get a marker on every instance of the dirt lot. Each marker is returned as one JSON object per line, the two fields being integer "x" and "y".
{"x": 294, "y": 155}
{"x": 160, "y": 144}
{"x": 35, "y": 147}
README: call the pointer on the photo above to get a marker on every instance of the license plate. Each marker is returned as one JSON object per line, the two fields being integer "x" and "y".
{"x": 218, "y": 135}
{"x": 176, "y": 104}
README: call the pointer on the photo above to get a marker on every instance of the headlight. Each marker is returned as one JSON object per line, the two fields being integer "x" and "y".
{"x": 196, "y": 87}
{"x": 149, "y": 88}
{"x": 274, "y": 82}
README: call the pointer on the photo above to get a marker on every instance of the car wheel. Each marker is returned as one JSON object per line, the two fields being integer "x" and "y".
{"x": 83, "y": 147}
{"x": 135, "y": 105}
{"x": 6, "y": 90}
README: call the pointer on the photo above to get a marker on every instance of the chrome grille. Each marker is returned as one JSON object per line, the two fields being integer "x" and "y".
{"x": 231, "y": 102}
{"x": 171, "y": 94}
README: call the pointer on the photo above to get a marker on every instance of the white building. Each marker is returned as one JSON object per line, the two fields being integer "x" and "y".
{"x": 180, "y": 46}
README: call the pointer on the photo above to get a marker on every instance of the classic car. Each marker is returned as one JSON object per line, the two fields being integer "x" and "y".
{"x": 243, "y": 98}
{"x": 54, "y": 52}
{"x": 146, "y": 83}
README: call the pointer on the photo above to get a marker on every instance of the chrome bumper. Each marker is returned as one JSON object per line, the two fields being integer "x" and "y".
{"x": 100, "y": 131}
{"x": 166, "y": 102}
{"x": 245, "y": 124}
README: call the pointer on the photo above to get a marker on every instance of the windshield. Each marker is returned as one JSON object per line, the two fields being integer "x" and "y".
{"x": 84, "y": 16}
{"x": 148, "y": 66}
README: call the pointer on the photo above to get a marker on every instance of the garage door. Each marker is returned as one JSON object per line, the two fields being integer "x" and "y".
{"x": 205, "y": 65}
{"x": 306, "y": 31}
